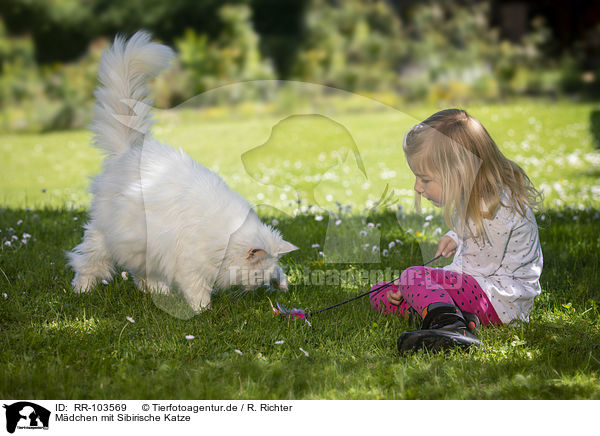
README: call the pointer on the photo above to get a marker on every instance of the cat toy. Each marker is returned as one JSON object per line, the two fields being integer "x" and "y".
{"x": 301, "y": 314}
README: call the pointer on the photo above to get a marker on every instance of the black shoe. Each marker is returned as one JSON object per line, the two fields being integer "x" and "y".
{"x": 444, "y": 327}
{"x": 437, "y": 340}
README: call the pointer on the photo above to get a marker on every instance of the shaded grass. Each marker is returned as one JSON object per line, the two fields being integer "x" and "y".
{"x": 55, "y": 344}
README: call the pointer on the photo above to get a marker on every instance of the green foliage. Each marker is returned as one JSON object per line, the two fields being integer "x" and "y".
{"x": 442, "y": 53}
{"x": 50, "y": 97}
{"x": 451, "y": 48}
{"x": 354, "y": 45}
{"x": 203, "y": 64}
{"x": 62, "y": 29}
{"x": 60, "y": 96}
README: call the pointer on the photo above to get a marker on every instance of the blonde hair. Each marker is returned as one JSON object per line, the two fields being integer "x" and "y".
{"x": 457, "y": 151}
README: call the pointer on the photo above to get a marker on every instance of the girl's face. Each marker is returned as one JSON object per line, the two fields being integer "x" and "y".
{"x": 429, "y": 188}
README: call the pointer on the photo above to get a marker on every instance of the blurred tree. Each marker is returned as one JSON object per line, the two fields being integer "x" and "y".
{"x": 436, "y": 50}
{"x": 51, "y": 97}
{"x": 62, "y": 29}
{"x": 279, "y": 25}
{"x": 445, "y": 50}
{"x": 451, "y": 45}
{"x": 204, "y": 64}
{"x": 354, "y": 45}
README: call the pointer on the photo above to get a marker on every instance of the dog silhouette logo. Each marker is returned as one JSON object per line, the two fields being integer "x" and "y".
{"x": 26, "y": 415}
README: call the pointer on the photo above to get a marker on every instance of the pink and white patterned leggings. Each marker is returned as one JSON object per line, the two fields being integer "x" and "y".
{"x": 421, "y": 286}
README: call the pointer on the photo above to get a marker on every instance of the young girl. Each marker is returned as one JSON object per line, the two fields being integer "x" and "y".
{"x": 487, "y": 202}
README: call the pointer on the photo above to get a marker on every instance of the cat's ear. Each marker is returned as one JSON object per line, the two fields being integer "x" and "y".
{"x": 256, "y": 254}
{"x": 286, "y": 247}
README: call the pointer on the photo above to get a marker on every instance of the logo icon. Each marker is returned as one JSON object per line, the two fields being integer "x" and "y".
{"x": 26, "y": 415}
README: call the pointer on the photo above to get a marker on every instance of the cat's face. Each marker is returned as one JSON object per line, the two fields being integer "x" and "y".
{"x": 259, "y": 267}
{"x": 252, "y": 255}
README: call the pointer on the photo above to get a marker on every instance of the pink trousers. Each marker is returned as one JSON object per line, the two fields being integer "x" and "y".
{"x": 421, "y": 286}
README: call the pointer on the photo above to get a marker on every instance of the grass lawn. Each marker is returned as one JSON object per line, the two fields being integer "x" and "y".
{"x": 55, "y": 344}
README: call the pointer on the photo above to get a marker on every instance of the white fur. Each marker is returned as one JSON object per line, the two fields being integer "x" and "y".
{"x": 155, "y": 211}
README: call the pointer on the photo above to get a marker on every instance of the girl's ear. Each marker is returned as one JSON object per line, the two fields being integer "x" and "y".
{"x": 256, "y": 254}
{"x": 286, "y": 247}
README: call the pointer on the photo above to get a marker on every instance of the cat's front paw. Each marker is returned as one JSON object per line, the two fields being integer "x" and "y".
{"x": 82, "y": 283}
{"x": 199, "y": 302}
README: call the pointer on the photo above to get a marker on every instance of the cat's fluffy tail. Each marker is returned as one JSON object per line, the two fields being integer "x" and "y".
{"x": 122, "y": 113}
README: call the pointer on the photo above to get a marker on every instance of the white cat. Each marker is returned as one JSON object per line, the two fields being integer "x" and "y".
{"x": 155, "y": 211}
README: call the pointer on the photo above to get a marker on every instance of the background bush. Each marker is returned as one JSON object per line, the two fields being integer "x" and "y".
{"x": 204, "y": 64}
{"x": 444, "y": 52}
{"x": 38, "y": 97}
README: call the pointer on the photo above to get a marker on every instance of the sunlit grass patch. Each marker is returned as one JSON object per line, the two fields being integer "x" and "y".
{"x": 552, "y": 141}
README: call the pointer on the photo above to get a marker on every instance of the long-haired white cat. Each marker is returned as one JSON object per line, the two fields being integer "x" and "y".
{"x": 155, "y": 211}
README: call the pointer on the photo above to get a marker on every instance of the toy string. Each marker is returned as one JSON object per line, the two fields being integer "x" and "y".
{"x": 366, "y": 293}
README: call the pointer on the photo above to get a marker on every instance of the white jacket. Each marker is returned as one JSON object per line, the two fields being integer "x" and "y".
{"x": 508, "y": 267}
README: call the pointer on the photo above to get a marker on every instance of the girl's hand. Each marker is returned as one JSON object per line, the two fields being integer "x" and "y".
{"x": 447, "y": 247}
{"x": 394, "y": 298}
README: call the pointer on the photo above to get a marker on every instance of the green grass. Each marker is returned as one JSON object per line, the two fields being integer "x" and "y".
{"x": 551, "y": 141}
{"x": 55, "y": 344}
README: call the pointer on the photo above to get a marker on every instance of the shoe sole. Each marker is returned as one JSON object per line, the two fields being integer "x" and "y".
{"x": 435, "y": 340}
